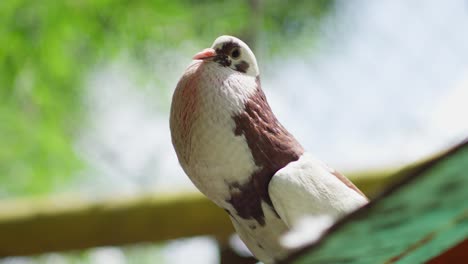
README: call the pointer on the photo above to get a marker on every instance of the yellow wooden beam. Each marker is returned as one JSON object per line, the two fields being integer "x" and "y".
{"x": 32, "y": 226}
{"x": 56, "y": 224}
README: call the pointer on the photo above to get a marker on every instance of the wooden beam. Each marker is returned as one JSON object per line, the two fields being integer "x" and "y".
{"x": 33, "y": 226}
{"x": 30, "y": 227}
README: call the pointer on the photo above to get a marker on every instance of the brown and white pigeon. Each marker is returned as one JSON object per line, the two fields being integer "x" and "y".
{"x": 230, "y": 144}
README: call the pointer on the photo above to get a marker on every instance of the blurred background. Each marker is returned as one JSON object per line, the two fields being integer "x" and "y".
{"x": 86, "y": 86}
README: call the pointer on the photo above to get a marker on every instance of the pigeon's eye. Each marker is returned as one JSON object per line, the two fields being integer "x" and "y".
{"x": 235, "y": 53}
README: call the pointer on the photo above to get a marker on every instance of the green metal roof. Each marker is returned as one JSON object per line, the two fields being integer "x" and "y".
{"x": 412, "y": 222}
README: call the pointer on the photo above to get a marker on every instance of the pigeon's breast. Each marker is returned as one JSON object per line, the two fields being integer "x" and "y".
{"x": 205, "y": 101}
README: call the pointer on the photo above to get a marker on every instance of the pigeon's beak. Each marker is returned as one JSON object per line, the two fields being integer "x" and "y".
{"x": 206, "y": 54}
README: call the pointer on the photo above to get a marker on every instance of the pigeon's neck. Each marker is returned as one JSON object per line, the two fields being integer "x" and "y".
{"x": 223, "y": 90}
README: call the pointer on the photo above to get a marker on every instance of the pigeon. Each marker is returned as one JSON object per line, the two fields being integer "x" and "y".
{"x": 236, "y": 152}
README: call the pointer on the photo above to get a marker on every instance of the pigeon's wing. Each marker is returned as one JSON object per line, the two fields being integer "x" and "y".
{"x": 309, "y": 197}
{"x": 307, "y": 188}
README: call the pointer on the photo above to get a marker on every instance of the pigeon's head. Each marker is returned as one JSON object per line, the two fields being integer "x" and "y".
{"x": 231, "y": 52}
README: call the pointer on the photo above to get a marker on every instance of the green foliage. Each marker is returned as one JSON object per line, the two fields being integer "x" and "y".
{"x": 297, "y": 23}
{"x": 47, "y": 48}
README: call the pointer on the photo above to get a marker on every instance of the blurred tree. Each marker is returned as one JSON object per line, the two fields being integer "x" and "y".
{"x": 47, "y": 48}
